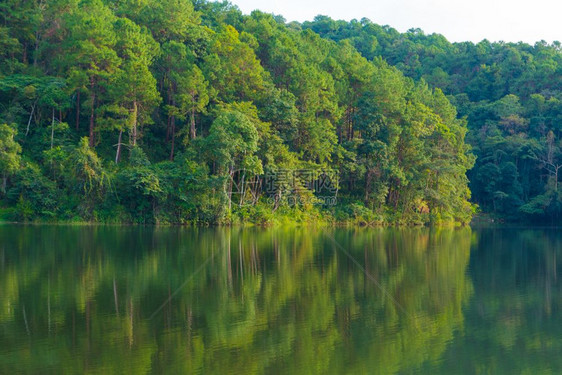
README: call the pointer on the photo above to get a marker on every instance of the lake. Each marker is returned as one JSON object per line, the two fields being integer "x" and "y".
{"x": 96, "y": 299}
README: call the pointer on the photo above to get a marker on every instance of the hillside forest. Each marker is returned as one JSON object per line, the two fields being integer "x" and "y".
{"x": 179, "y": 111}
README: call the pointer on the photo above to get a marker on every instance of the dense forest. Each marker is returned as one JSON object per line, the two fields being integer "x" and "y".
{"x": 510, "y": 94}
{"x": 173, "y": 111}
{"x": 178, "y": 112}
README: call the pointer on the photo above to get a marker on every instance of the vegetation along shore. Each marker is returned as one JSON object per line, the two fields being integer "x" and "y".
{"x": 181, "y": 112}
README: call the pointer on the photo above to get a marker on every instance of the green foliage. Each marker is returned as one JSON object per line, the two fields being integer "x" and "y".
{"x": 178, "y": 112}
{"x": 509, "y": 94}
{"x": 9, "y": 153}
{"x": 87, "y": 176}
{"x": 33, "y": 194}
{"x": 232, "y": 142}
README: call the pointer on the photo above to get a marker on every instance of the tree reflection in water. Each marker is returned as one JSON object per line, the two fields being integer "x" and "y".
{"x": 227, "y": 300}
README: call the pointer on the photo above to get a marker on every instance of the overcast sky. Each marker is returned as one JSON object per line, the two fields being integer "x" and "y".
{"x": 472, "y": 20}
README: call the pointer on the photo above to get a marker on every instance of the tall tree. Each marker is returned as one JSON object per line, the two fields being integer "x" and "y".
{"x": 90, "y": 57}
{"x": 133, "y": 86}
{"x": 187, "y": 91}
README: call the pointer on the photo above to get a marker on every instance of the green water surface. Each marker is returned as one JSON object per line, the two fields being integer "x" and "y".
{"x": 135, "y": 300}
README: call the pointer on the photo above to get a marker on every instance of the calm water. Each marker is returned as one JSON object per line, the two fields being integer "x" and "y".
{"x": 299, "y": 301}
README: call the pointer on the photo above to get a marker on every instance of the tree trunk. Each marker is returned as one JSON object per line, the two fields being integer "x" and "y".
{"x": 349, "y": 126}
{"x": 4, "y": 183}
{"x": 92, "y": 113}
{"x": 77, "y": 110}
{"x": 30, "y": 117}
{"x": 36, "y": 51}
{"x": 242, "y": 191}
{"x": 118, "y": 153}
{"x": 367, "y": 185}
{"x": 53, "y": 129}
{"x": 171, "y": 102}
{"x": 231, "y": 174}
{"x": 173, "y": 127}
{"x": 135, "y": 117}
{"x": 192, "y": 131}
{"x": 168, "y": 129}
{"x": 172, "y": 130}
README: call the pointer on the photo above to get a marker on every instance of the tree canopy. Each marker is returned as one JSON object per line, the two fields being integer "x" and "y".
{"x": 510, "y": 95}
{"x": 155, "y": 111}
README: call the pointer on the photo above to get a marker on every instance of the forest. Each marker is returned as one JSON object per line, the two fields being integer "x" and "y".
{"x": 190, "y": 112}
{"x": 509, "y": 93}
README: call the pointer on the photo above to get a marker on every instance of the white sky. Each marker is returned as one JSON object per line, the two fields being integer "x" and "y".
{"x": 467, "y": 20}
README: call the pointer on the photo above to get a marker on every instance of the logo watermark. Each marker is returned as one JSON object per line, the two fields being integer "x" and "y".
{"x": 285, "y": 187}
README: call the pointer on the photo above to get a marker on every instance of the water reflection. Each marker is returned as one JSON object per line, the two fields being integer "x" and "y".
{"x": 514, "y": 323}
{"x": 171, "y": 300}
